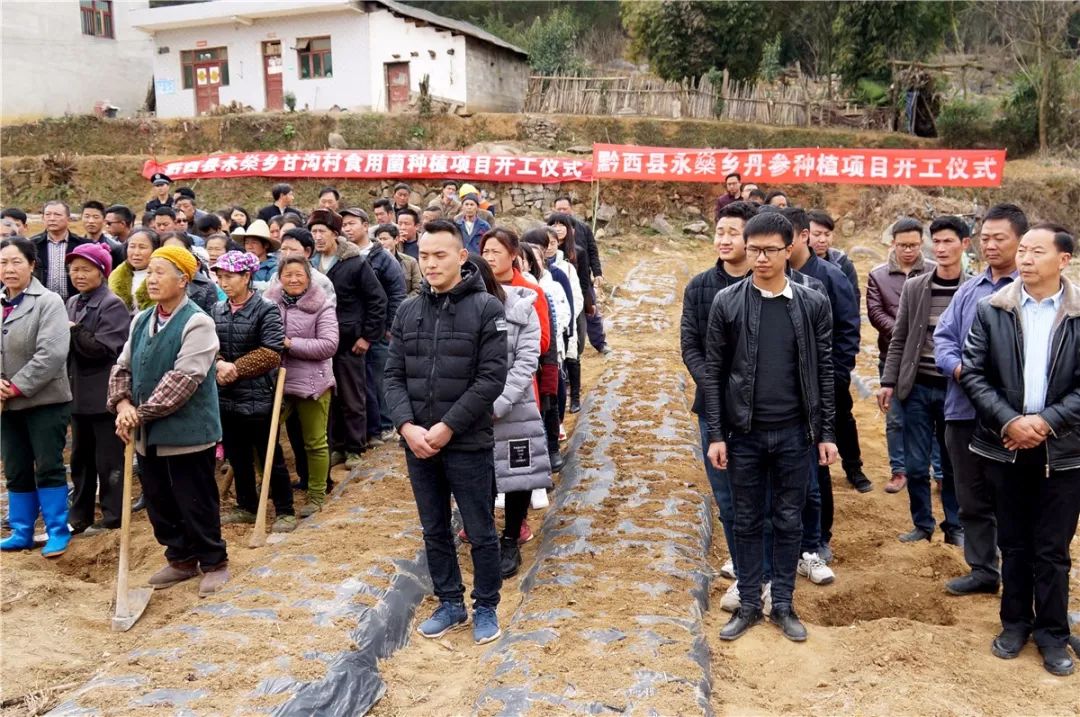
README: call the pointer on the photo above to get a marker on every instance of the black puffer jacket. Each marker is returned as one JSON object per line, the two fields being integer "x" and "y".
{"x": 731, "y": 360}
{"x": 361, "y": 301}
{"x": 391, "y": 277}
{"x": 993, "y": 376}
{"x": 256, "y": 325}
{"x": 697, "y": 300}
{"x": 447, "y": 361}
{"x": 203, "y": 291}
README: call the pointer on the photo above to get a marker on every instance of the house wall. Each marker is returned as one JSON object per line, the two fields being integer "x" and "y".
{"x": 350, "y": 86}
{"x": 392, "y": 36}
{"x": 497, "y": 78}
{"x": 50, "y": 68}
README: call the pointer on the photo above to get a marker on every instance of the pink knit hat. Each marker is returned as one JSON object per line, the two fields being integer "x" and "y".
{"x": 97, "y": 254}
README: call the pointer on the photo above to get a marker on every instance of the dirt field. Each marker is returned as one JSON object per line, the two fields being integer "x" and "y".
{"x": 884, "y": 639}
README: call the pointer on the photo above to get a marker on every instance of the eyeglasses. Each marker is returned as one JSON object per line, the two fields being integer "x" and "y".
{"x": 909, "y": 247}
{"x": 770, "y": 252}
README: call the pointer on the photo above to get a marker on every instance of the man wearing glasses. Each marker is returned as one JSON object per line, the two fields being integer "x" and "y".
{"x": 764, "y": 418}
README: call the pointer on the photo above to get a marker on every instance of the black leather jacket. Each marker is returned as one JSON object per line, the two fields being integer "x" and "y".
{"x": 993, "y": 376}
{"x": 256, "y": 325}
{"x": 697, "y": 300}
{"x": 731, "y": 360}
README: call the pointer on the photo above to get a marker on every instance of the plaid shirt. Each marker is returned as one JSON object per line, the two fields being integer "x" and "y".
{"x": 172, "y": 392}
{"x": 57, "y": 278}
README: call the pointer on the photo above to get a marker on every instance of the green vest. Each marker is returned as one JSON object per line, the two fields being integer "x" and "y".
{"x": 197, "y": 422}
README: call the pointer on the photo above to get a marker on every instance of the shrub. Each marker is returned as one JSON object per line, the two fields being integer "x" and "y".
{"x": 965, "y": 125}
{"x": 290, "y": 101}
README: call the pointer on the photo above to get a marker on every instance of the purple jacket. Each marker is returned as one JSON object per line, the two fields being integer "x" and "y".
{"x": 312, "y": 328}
{"x": 883, "y": 288}
{"x": 951, "y": 332}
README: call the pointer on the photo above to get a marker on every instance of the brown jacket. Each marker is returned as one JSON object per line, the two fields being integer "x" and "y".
{"x": 909, "y": 334}
{"x": 883, "y": 288}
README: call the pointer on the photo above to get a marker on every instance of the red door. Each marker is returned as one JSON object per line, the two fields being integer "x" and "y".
{"x": 207, "y": 82}
{"x": 397, "y": 86}
{"x": 272, "y": 73}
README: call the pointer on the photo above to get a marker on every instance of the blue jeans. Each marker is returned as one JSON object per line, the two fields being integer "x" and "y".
{"x": 760, "y": 461}
{"x": 924, "y": 426}
{"x": 469, "y": 476}
{"x": 378, "y": 415}
{"x": 894, "y": 437}
{"x": 811, "y": 515}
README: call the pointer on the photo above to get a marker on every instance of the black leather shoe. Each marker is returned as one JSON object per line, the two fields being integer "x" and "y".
{"x": 971, "y": 584}
{"x": 1056, "y": 660}
{"x": 954, "y": 537}
{"x": 557, "y": 461}
{"x": 916, "y": 535}
{"x": 786, "y": 619}
{"x": 139, "y": 504}
{"x": 1008, "y": 644}
{"x": 860, "y": 482}
{"x": 740, "y": 622}
{"x": 575, "y": 406}
{"x": 1074, "y": 642}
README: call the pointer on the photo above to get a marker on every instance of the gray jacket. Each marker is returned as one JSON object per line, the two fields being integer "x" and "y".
{"x": 521, "y": 457}
{"x": 34, "y": 349}
{"x": 909, "y": 334}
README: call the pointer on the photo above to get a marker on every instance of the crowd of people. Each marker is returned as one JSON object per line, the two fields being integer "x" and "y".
{"x": 452, "y": 333}
{"x": 980, "y": 384}
{"x": 464, "y": 340}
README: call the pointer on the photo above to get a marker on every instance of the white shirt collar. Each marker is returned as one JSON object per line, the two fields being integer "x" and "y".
{"x": 786, "y": 292}
{"x": 1055, "y": 300}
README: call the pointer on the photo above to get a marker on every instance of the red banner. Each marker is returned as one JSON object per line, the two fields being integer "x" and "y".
{"x": 938, "y": 167}
{"x": 377, "y": 164}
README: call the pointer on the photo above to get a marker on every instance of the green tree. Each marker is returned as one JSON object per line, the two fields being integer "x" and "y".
{"x": 869, "y": 33}
{"x": 687, "y": 38}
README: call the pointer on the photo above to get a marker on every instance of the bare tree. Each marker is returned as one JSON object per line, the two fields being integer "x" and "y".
{"x": 1034, "y": 33}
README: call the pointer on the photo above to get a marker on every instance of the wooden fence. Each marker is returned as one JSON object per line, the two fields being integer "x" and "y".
{"x": 643, "y": 95}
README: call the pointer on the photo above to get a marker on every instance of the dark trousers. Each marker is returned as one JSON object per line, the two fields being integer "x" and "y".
{"x": 924, "y": 426}
{"x": 245, "y": 437}
{"x": 811, "y": 533}
{"x": 595, "y": 325}
{"x": 516, "y": 507}
{"x": 183, "y": 504}
{"x": 847, "y": 431}
{"x": 378, "y": 413}
{"x": 32, "y": 447}
{"x": 295, "y": 433}
{"x": 975, "y": 495}
{"x": 348, "y": 409}
{"x": 761, "y": 461}
{"x": 97, "y": 458}
{"x": 1036, "y": 517}
{"x": 825, "y": 495}
{"x": 468, "y": 476}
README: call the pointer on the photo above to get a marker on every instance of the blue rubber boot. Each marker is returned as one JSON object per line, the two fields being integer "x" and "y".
{"x": 54, "y": 509}
{"x": 22, "y": 514}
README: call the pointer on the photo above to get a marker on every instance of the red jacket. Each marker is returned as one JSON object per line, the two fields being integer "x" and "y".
{"x": 541, "y": 307}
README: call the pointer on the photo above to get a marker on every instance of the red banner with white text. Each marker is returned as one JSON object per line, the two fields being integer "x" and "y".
{"x": 377, "y": 164}
{"x": 939, "y": 167}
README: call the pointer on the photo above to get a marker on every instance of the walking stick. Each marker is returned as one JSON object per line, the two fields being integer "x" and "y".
{"x": 130, "y": 604}
{"x": 258, "y": 536}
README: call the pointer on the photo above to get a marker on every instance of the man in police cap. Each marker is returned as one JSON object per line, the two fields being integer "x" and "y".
{"x": 162, "y": 196}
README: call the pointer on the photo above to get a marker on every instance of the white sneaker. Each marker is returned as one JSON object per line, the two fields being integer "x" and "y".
{"x": 727, "y": 570}
{"x": 814, "y": 568}
{"x": 562, "y": 433}
{"x": 766, "y": 598}
{"x": 500, "y": 501}
{"x": 538, "y": 500}
{"x": 731, "y": 602}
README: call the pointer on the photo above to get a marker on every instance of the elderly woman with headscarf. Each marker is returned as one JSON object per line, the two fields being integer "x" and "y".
{"x": 99, "y": 328}
{"x": 252, "y": 339}
{"x": 164, "y": 393}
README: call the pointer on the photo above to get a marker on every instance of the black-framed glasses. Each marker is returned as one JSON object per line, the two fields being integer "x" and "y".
{"x": 770, "y": 252}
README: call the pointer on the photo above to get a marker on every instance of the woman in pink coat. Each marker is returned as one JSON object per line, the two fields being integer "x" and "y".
{"x": 311, "y": 338}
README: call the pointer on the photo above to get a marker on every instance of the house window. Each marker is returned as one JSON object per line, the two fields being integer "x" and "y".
{"x": 314, "y": 58}
{"x": 97, "y": 18}
{"x": 214, "y": 62}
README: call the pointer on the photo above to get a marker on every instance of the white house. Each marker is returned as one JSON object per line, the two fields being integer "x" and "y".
{"x": 65, "y": 56}
{"x": 355, "y": 54}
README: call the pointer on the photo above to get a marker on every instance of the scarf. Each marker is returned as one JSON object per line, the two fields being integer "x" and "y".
{"x": 290, "y": 300}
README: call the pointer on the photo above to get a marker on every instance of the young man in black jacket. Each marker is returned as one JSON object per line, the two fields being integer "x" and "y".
{"x": 447, "y": 365}
{"x": 765, "y": 438}
{"x": 1020, "y": 366}
{"x": 361, "y": 312}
